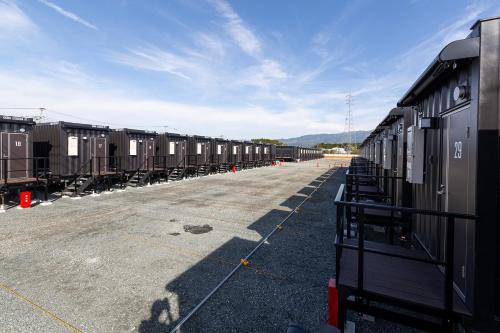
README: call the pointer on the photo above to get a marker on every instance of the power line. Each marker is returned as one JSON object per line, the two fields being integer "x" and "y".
{"x": 40, "y": 117}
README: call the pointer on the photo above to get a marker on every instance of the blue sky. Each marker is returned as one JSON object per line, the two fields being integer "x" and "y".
{"x": 238, "y": 68}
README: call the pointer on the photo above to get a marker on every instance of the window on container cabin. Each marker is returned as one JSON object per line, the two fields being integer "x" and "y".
{"x": 265, "y": 150}
{"x": 257, "y": 150}
{"x": 235, "y": 150}
{"x": 133, "y": 148}
{"x": 198, "y": 148}
{"x": 247, "y": 148}
{"x": 172, "y": 148}
{"x": 72, "y": 146}
{"x": 219, "y": 149}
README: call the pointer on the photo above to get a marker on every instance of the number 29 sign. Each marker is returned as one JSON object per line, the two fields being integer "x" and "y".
{"x": 458, "y": 149}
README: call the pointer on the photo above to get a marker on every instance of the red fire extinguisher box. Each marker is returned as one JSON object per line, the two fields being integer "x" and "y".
{"x": 25, "y": 199}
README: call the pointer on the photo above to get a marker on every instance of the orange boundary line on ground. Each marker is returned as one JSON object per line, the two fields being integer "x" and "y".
{"x": 38, "y": 307}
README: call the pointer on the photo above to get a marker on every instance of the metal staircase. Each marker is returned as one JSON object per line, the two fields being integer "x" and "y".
{"x": 203, "y": 170}
{"x": 139, "y": 178}
{"x": 176, "y": 174}
{"x": 82, "y": 180}
{"x": 222, "y": 168}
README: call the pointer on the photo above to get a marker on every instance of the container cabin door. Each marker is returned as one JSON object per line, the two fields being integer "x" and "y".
{"x": 456, "y": 191}
{"x": 100, "y": 161}
{"x": 181, "y": 152}
{"x": 15, "y": 153}
{"x": 206, "y": 157}
{"x": 149, "y": 153}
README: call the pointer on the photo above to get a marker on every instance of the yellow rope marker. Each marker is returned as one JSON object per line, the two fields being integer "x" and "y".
{"x": 279, "y": 227}
{"x": 38, "y": 307}
{"x": 244, "y": 262}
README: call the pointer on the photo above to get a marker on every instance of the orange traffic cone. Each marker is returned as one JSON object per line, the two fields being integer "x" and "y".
{"x": 233, "y": 169}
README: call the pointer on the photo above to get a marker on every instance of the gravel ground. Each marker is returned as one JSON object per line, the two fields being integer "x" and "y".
{"x": 114, "y": 263}
{"x": 139, "y": 260}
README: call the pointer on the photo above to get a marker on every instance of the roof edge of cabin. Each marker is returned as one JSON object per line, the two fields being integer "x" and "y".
{"x": 460, "y": 49}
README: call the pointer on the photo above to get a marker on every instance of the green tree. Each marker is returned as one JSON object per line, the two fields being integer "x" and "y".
{"x": 271, "y": 141}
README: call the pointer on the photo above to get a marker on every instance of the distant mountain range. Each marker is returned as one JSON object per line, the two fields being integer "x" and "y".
{"x": 313, "y": 139}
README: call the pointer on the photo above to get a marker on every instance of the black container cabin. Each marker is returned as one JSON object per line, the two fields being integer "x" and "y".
{"x": 172, "y": 149}
{"x": 236, "y": 154}
{"x": 248, "y": 154}
{"x": 220, "y": 154}
{"x": 132, "y": 149}
{"x": 198, "y": 156}
{"x": 301, "y": 154}
{"x": 72, "y": 148}
{"x": 258, "y": 149}
{"x": 450, "y": 133}
{"x": 18, "y": 168}
{"x": 268, "y": 150}
{"x": 287, "y": 153}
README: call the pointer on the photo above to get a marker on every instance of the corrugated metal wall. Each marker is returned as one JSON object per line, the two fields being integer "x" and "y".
{"x": 164, "y": 142}
{"x": 198, "y": 150}
{"x": 236, "y": 147}
{"x": 51, "y": 140}
{"x": 120, "y": 150}
{"x": 248, "y": 151}
{"x": 220, "y": 151}
{"x": 18, "y": 163}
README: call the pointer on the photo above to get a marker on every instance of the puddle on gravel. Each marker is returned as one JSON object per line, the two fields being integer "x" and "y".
{"x": 174, "y": 220}
{"x": 197, "y": 229}
{"x": 174, "y": 234}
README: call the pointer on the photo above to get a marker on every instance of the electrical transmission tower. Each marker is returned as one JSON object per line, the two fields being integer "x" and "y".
{"x": 348, "y": 128}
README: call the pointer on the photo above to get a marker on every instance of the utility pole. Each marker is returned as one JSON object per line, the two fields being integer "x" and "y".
{"x": 40, "y": 117}
{"x": 36, "y": 118}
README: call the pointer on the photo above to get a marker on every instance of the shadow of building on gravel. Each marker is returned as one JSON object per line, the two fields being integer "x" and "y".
{"x": 285, "y": 281}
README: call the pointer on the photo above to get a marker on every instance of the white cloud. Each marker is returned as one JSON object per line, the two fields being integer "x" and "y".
{"x": 422, "y": 53}
{"x": 237, "y": 29}
{"x": 210, "y": 43}
{"x": 70, "y": 15}
{"x": 14, "y": 21}
{"x": 154, "y": 59}
{"x": 119, "y": 108}
{"x": 267, "y": 74}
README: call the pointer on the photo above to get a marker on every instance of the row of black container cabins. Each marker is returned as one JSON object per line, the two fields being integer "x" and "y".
{"x": 81, "y": 155}
{"x": 297, "y": 154}
{"x": 437, "y": 158}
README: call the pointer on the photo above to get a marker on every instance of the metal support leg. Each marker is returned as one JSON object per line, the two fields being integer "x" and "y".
{"x": 342, "y": 308}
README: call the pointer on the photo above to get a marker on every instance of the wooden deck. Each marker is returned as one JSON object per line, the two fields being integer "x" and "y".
{"x": 402, "y": 279}
{"x": 18, "y": 181}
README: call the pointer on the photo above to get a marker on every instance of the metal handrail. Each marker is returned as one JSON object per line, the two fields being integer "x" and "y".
{"x": 35, "y": 169}
{"x": 448, "y": 263}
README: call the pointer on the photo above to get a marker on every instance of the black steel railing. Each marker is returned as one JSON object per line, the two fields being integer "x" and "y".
{"x": 219, "y": 159}
{"x": 385, "y": 185}
{"x": 447, "y": 218}
{"x": 14, "y": 170}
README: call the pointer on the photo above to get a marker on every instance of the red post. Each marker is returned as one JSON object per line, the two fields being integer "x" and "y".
{"x": 25, "y": 199}
{"x": 233, "y": 169}
{"x": 333, "y": 303}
